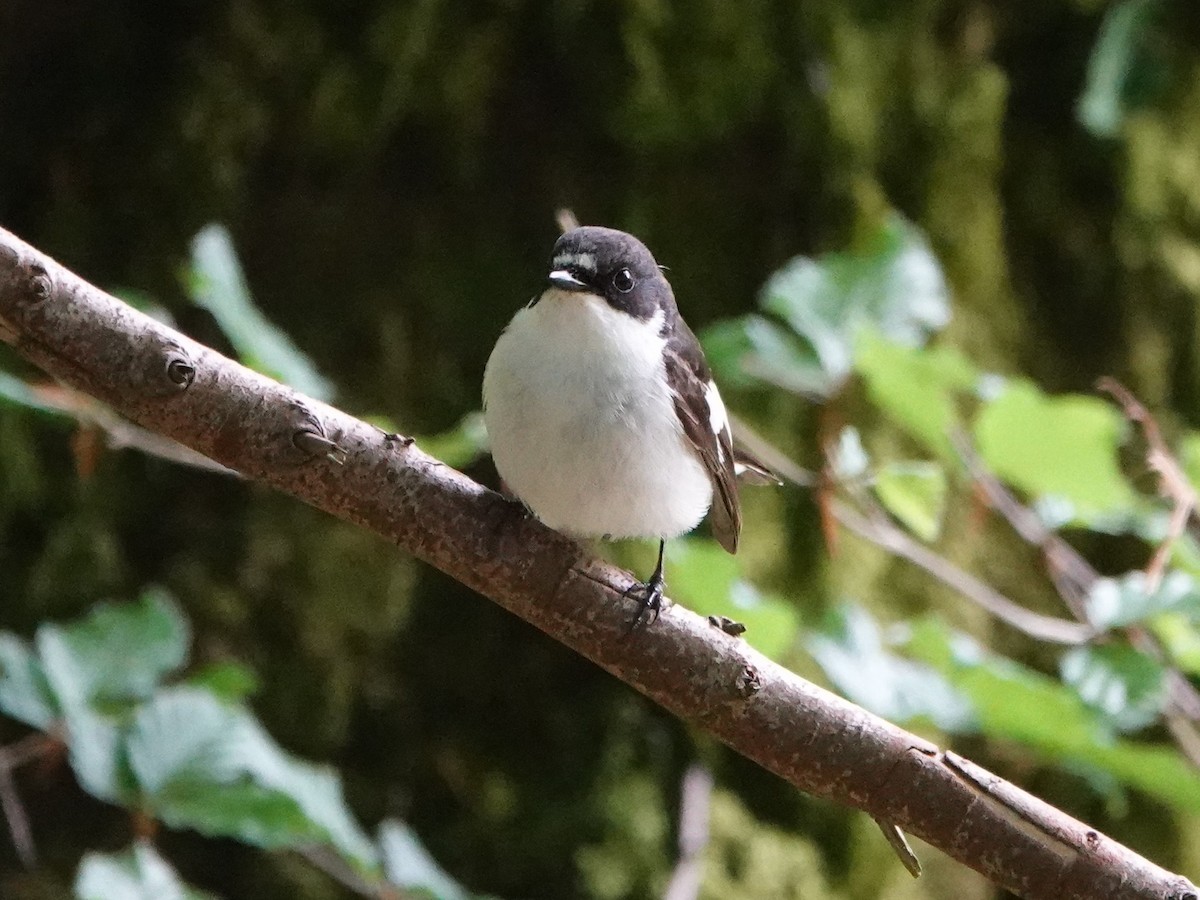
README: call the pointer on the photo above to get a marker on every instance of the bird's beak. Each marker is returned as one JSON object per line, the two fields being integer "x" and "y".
{"x": 564, "y": 280}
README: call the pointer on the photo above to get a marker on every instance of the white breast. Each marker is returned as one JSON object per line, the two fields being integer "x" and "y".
{"x": 582, "y": 426}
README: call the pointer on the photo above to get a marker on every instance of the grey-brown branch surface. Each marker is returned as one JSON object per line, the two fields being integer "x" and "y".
{"x": 817, "y": 741}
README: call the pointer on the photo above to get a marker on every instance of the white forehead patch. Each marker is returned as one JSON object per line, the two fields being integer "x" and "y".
{"x": 584, "y": 261}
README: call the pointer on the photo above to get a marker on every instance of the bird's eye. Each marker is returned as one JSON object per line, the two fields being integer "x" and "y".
{"x": 623, "y": 281}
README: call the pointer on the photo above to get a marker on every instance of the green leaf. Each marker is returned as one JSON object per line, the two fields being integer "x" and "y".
{"x": 188, "y": 754}
{"x": 1128, "y": 687}
{"x": 891, "y": 283}
{"x": 210, "y": 766}
{"x": 228, "y": 681}
{"x": 751, "y": 350}
{"x": 185, "y": 734}
{"x": 915, "y": 387}
{"x": 137, "y": 874}
{"x": 459, "y": 446}
{"x": 317, "y": 790}
{"x": 705, "y": 578}
{"x": 1063, "y": 447}
{"x": 216, "y": 282}
{"x": 1189, "y": 457}
{"x": 237, "y": 809}
{"x": 1123, "y": 70}
{"x": 117, "y": 652}
{"x": 915, "y": 493}
{"x": 24, "y": 692}
{"x": 1180, "y": 639}
{"x": 1016, "y": 703}
{"x": 850, "y": 651}
{"x": 1113, "y": 602}
{"x": 1012, "y": 701}
{"x": 408, "y": 864}
{"x": 96, "y": 750}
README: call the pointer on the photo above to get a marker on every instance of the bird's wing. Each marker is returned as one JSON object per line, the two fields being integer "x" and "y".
{"x": 751, "y": 470}
{"x": 702, "y": 414}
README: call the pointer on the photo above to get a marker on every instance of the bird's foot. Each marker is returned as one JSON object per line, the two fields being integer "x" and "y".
{"x": 649, "y": 595}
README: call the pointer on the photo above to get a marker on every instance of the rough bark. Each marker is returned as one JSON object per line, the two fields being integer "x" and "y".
{"x": 813, "y": 739}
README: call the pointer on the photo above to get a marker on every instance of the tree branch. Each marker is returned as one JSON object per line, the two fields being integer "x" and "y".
{"x": 815, "y": 740}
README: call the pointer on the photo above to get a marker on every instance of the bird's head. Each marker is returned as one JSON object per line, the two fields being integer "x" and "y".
{"x": 612, "y": 265}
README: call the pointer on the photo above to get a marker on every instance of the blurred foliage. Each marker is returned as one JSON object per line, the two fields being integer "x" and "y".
{"x": 893, "y": 223}
{"x": 185, "y": 755}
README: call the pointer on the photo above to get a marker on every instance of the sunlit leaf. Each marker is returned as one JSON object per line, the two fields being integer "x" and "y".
{"x": 753, "y": 350}
{"x": 136, "y": 874}
{"x": 115, "y": 652}
{"x": 317, "y": 790}
{"x": 239, "y": 809}
{"x": 706, "y": 579}
{"x": 185, "y": 734}
{"x": 849, "y": 649}
{"x": 915, "y": 387}
{"x": 209, "y": 765}
{"x": 1189, "y": 457}
{"x": 1128, "y": 687}
{"x": 1180, "y": 639}
{"x": 915, "y": 493}
{"x": 216, "y": 282}
{"x": 1016, "y": 703}
{"x": 188, "y": 753}
{"x": 407, "y": 864}
{"x": 891, "y": 283}
{"x": 1062, "y": 446}
{"x": 96, "y": 751}
{"x": 1124, "y": 69}
{"x": 229, "y": 681}
{"x": 24, "y": 692}
{"x": 1112, "y": 602}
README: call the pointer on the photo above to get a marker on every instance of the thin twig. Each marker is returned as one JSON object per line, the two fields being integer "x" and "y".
{"x": 695, "y": 800}
{"x": 27, "y": 749}
{"x": 17, "y": 819}
{"x": 1074, "y": 577}
{"x": 336, "y": 868}
{"x": 120, "y": 433}
{"x": 770, "y": 455}
{"x": 881, "y": 532}
{"x": 1186, "y": 737}
{"x": 1172, "y": 482}
{"x": 11, "y": 757}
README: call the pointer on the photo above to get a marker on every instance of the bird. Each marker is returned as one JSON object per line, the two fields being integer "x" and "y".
{"x": 601, "y": 410}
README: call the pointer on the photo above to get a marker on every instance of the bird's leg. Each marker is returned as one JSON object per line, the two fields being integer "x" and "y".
{"x": 649, "y": 594}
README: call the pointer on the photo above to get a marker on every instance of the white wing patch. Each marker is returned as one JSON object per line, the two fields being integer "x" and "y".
{"x": 718, "y": 419}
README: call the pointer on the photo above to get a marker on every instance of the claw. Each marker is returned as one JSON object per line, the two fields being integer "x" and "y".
{"x": 649, "y": 595}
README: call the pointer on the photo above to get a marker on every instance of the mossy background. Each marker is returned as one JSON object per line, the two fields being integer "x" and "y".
{"x": 389, "y": 172}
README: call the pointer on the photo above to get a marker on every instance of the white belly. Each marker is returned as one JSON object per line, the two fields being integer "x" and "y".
{"x": 582, "y": 427}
